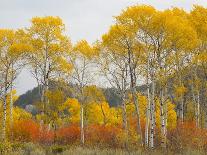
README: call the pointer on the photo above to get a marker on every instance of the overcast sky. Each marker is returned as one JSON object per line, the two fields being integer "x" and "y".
{"x": 84, "y": 19}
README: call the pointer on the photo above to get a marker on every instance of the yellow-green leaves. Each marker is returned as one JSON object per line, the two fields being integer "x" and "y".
{"x": 49, "y": 28}
{"x": 198, "y": 18}
{"x": 83, "y": 49}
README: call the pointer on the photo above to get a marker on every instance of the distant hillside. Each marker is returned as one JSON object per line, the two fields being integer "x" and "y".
{"x": 32, "y": 96}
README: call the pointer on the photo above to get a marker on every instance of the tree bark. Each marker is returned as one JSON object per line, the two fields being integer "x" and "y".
{"x": 124, "y": 120}
{"x": 162, "y": 115}
{"x": 148, "y": 106}
{"x": 152, "y": 113}
{"x": 11, "y": 111}
{"x": 4, "y": 107}
{"x": 82, "y": 125}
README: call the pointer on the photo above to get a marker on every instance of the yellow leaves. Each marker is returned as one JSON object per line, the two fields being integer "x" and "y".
{"x": 136, "y": 17}
{"x": 198, "y": 18}
{"x": 63, "y": 65}
{"x": 20, "y": 114}
{"x": 93, "y": 94}
{"x": 119, "y": 40}
{"x": 46, "y": 33}
{"x": 48, "y": 27}
{"x": 14, "y": 96}
{"x": 19, "y": 48}
{"x": 171, "y": 113}
{"x": 95, "y": 113}
{"x": 73, "y": 109}
{"x": 47, "y": 21}
{"x": 142, "y": 100}
{"x": 180, "y": 90}
{"x": 201, "y": 58}
{"x": 12, "y": 46}
{"x": 55, "y": 97}
{"x": 84, "y": 49}
{"x": 102, "y": 113}
{"x": 6, "y": 36}
{"x": 175, "y": 31}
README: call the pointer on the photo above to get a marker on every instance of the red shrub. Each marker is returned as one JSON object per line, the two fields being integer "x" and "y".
{"x": 187, "y": 135}
{"x": 26, "y": 130}
{"x": 45, "y": 136}
{"x": 68, "y": 135}
{"x": 102, "y": 135}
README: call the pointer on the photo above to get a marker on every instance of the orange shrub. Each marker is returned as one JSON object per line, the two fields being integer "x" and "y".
{"x": 186, "y": 135}
{"x": 25, "y": 131}
{"x": 101, "y": 135}
{"x": 68, "y": 135}
{"x": 45, "y": 136}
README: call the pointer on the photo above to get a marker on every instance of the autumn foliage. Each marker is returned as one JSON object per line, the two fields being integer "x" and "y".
{"x": 26, "y": 131}
{"x": 166, "y": 50}
{"x": 68, "y": 135}
{"x": 186, "y": 135}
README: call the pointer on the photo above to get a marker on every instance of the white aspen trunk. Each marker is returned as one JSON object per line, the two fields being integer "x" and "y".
{"x": 82, "y": 125}
{"x": 152, "y": 113}
{"x": 147, "y": 120}
{"x": 197, "y": 106}
{"x": 148, "y": 106}
{"x": 4, "y": 109}
{"x": 162, "y": 117}
{"x": 166, "y": 116}
{"x": 11, "y": 111}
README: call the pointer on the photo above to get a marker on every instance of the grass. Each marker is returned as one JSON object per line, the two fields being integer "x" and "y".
{"x": 35, "y": 149}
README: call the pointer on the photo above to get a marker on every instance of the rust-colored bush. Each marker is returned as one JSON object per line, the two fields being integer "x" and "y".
{"x": 26, "y": 131}
{"x": 187, "y": 135}
{"x": 101, "y": 135}
{"x": 46, "y": 136}
{"x": 68, "y": 135}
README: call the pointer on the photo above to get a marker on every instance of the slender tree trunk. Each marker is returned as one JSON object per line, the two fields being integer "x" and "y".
{"x": 4, "y": 107}
{"x": 11, "y": 111}
{"x": 162, "y": 115}
{"x": 148, "y": 107}
{"x": 196, "y": 101}
{"x": 166, "y": 114}
{"x": 124, "y": 120}
{"x": 82, "y": 125}
{"x": 134, "y": 95}
{"x": 182, "y": 108}
{"x": 104, "y": 115}
{"x": 152, "y": 113}
{"x": 147, "y": 120}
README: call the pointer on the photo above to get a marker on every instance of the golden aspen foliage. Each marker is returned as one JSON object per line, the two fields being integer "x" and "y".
{"x": 171, "y": 113}
{"x": 73, "y": 110}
